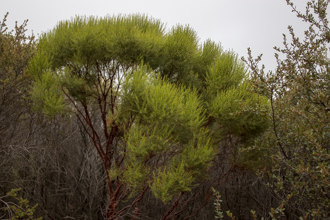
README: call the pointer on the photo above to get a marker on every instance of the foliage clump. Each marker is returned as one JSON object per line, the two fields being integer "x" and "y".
{"x": 154, "y": 103}
{"x": 298, "y": 140}
{"x": 14, "y": 207}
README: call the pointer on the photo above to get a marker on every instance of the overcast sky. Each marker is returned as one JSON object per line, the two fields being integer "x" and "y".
{"x": 236, "y": 24}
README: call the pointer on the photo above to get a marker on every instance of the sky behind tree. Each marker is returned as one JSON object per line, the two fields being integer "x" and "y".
{"x": 236, "y": 24}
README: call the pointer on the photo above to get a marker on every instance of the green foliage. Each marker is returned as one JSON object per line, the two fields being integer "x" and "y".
{"x": 298, "y": 140}
{"x": 167, "y": 131}
{"x": 16, "y": 48}
{"x": 198, "y": 154}
{"x": 47, "y": 95}
{"x": 239, "y": 111}
{"x": 179, "y": 54}
{"x": 144, "y": 142}
{"x": 79, "y": 87}
{"x": 230, "y": 101}
{"x": 76, "y": 50}
{"x": 225, "y": 73}
{"x": 135, "y": 174}
{"x": 158, "y": 102}
{"x": 88, "y": 40}
{"x": 38, "y": 65}
{"x": 19, "y": 208}
{"x": 155, "y": 93}
{"x": 208, "y": 53}
{"x": 169, "y": 182}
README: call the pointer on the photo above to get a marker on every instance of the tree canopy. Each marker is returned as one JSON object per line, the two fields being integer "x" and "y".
{"x": 155, "y": 103}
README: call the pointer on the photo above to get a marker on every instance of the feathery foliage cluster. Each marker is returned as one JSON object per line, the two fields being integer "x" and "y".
{"x": 161, "y": 97}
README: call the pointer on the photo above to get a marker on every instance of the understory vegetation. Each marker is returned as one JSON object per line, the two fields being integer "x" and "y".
{"x": 122, "y": 118}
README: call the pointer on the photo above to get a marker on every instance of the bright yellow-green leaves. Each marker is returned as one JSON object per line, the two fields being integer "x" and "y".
{"x": 229, "y": 98}
{"x": 224, "y": 73}
{"x": 180, "y": 51}
{"x": 47, "y": 95}
{"x": 156, "y": 101}
{"x": 146, "y": 141}
{"x": 198, "y": 154}
{"x": 169, "y": 182}
{"x": 162, "y": 91}
{"x": 80, "y": 88}
{"x": 167, "y": 141}
{"x": 86, "y": 40}
{"x": 239, "y": 111}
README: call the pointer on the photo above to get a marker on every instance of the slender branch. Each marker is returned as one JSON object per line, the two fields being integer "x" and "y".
{"x": 175, "y": 204}
{"x": 80, "y": 114}
{"x": 137, "y": 200}
{"x": 90, "y": 124}
{"x": 274, "y": 127}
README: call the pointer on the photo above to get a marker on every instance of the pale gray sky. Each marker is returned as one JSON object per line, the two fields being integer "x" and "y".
{"x": 236, "y": 24}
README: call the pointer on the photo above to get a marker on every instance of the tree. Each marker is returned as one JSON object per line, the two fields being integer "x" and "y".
{"x": 154, "y": 104}
{"x": 298, "y": 141}
{"x": 16, "y": 48}
{"x": 15, "y": 51}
